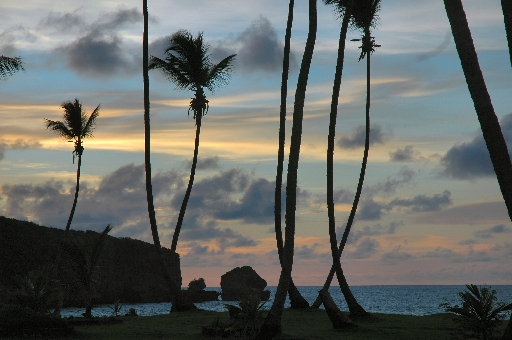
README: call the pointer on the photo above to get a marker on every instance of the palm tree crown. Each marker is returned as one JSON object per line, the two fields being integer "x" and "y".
{"x": 8, "y": 66}
{"x": 76, "y": 125}
{"x": 189, "y": 67}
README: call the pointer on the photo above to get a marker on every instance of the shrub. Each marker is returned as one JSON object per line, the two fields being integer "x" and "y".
{"x": 480, "y": 314}
{"x": 247, "y": 317}
{"x": 22, "y": 321}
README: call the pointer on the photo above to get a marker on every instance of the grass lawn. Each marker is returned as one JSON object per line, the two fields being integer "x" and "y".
{"x": 308, "y": 324}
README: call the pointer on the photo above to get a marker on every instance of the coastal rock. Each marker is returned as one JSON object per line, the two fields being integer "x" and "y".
{"x": 196, "y": 292}
{"x": 196, "y": 285}
{"x": 241, "y": 282}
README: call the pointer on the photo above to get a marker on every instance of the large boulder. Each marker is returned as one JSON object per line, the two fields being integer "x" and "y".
{"x": 242, "y": 282}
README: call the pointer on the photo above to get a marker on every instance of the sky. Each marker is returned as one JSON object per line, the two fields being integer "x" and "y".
{"x": 430, "y": 213}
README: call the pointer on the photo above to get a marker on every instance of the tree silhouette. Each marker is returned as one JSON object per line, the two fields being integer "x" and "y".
{"x": 506, "y": 6}
{"x": 272, "y": 325}
{"x": 188, "y": 66}
{"x": 296, "y": 299}
{"x": 75, "y": 128}
{"x": 9, "y": 66}
{"x": 179, "y": 303}
{"x": 489, "y": 124}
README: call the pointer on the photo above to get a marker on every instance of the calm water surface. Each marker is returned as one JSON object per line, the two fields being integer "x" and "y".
{"x": 408, "y": 300}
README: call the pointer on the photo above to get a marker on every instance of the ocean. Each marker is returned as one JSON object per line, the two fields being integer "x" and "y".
{"x": 407, "y": 300}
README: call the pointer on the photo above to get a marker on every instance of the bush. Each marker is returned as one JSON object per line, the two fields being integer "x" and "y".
{"x": 480, "y": 314}
{"x": 247, "y": 317}
{"x": 23, "y": 322}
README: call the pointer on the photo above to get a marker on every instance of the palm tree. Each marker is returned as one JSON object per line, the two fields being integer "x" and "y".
{"x": 480, "y": 314}
{"x": 506, "y": 6}
{"x": 364, "y": 17}
{"x": 345, "y": 8}
{"x": 75, "y": 128}
{"x": 8, "y": 66}
{"x": 296, "y": 299}
{"x": 179, "y": 303}
{"x": 188, "y": 66}
{"x": 489, "y": 124}
{"x": 272, "y": 325}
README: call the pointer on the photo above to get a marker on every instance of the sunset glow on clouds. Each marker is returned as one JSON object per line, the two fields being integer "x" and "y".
{"x": 431, "y": 210}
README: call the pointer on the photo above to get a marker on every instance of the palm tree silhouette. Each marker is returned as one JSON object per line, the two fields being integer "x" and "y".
{"x": 506, "y": 7}
{"x": 8, "y": 66}
{"x": 75, "y": 128}
{"x": 364, "y": 17}
{"x": 188, "y": 66}
{"x": 489, "y": 124}
{"x": 272, "y": 324}
{"x": 296, "y": 299}
{"x": 345, "y": 8}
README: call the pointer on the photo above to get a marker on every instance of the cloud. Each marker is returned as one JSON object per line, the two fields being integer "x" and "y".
{"x": 63, "y": 22}
{"x": 396, "y": 256}
{"x": 357, "y": 139}
{"x": 18, "y": 144}
{"x": 490, "y": 232}
{"x": 471, "y": 160}
{"x": 365, "y": 249}
{"x": 258, "y": 49}
{"x": 469, "y": 214}
{"x": 404, "y": 176}
{"x": 423, "y": 203}
{"x": 449, "y": 255}
{"x": 204, "y": 163}
{"x": 100, "y": 51}
{"x": 306, "y": 252}
{"x": 402, "y": 155}
{"x": 119, "y": 200}
{"x": 213, "y": 196}
{"x": 197, "y": 228}
{"x": 158, "y": 46}
{"x": 371, "y": 210}
{"x": 438, "y": 50}
{"x": 375, "y": 230}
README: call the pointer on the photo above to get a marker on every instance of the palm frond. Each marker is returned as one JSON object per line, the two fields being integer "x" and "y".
{"x": 73, "y": 116}
{"x": 220, "y": 73}
{"x": 171, "y": 71}
{"x": 188, "y": 64}
{"x": 364, "y": 14}
{"x": 88, "y": 128}
{"x": 9, "y": 66}
{"x": 60, "y": 128}
{"x": 340, "y": 6}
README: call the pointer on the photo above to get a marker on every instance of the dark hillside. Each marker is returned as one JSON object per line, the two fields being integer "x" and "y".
{"x": 128, "y": 268}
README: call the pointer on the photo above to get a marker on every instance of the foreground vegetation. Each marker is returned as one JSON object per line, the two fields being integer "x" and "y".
{"x": 306, "y": 324}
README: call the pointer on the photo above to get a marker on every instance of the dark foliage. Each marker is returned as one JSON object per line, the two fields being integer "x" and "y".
{"x": 17, "y": 321}
{"x": 129, "y": 268}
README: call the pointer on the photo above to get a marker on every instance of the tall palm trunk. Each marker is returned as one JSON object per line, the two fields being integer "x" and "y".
{"x": 355, "y": 309}
{"x": 77, "y": 188}
{"x": 489, "y": 124}
{"x": 506, "y": 7}
{"x": 296, "y": 299}
{"x": 178, "y": 302}
{"x": 272, "y": 324}
{"x": 183, "y": 208}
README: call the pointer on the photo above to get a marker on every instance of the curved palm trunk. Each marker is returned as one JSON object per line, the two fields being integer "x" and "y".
{"x": 506, "y": 7}
{"x": 179, "y": 303}
{"x": 272, "y": 324}
{"x": 77, "y": 188}
{"x": 183, "y": 208}
{"x": 489, "y": 124}
{"x": 296, "y": 299}
{"x": 355, "y": 309}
